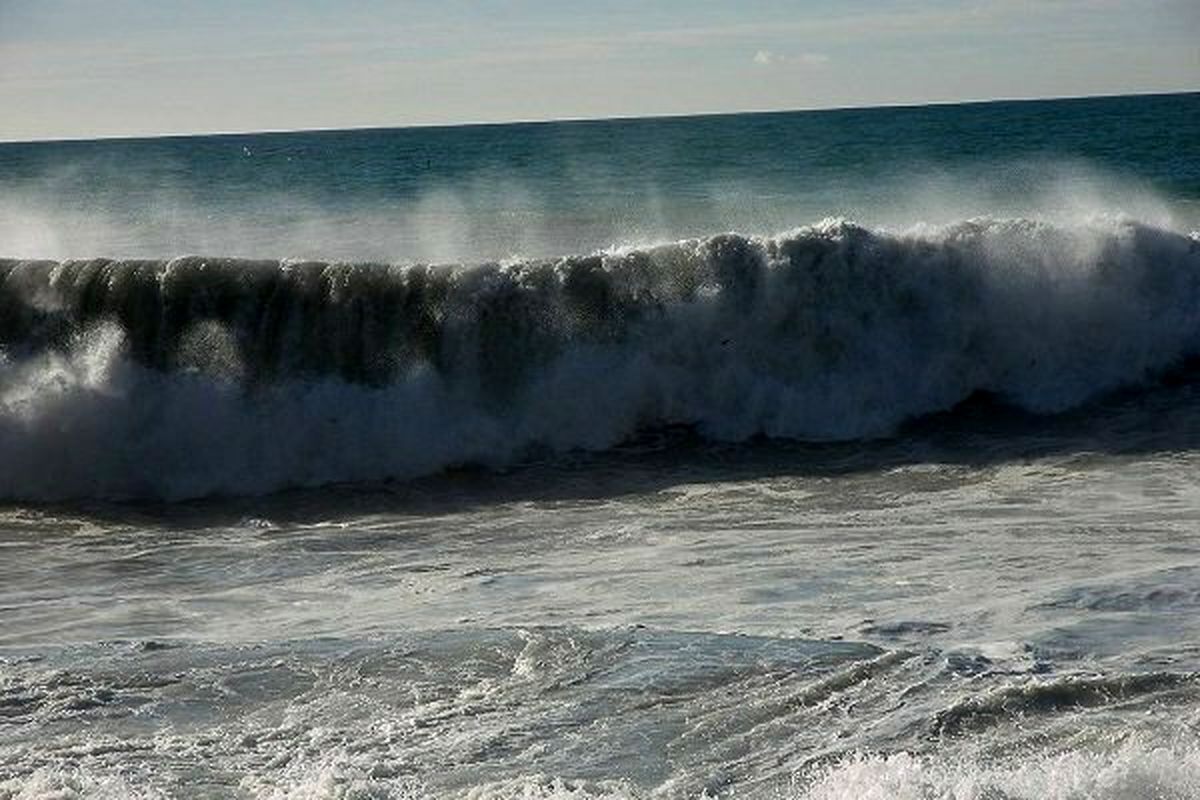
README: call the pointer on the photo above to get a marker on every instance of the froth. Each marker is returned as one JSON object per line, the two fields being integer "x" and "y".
{"x": 1133, "y": 772}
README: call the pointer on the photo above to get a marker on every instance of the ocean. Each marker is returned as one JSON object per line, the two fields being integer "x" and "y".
{"x": 833, "y": 454}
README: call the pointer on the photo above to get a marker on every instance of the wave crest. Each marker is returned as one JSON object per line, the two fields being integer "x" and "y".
{"x": 195, "y": 376}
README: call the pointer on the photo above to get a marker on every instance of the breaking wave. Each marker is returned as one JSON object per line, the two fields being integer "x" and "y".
{"x": 1131, "y": 771}
{"x": 195, "y": 376}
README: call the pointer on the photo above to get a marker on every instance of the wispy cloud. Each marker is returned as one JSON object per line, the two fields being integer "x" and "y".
{"x": 768, "y": 57}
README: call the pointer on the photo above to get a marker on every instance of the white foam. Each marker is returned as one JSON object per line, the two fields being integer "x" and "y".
{"x": 1134, "y": 771}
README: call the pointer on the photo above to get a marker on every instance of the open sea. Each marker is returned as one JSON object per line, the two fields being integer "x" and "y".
{"x": 821, "y": 455}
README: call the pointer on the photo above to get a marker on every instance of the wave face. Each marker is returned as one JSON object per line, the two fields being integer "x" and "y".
{"x": 196, "y": 375}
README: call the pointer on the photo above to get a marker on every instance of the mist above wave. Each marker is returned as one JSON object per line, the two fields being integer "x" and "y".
{"x": 84, "y": 208}
{"x": 194, "y": 376}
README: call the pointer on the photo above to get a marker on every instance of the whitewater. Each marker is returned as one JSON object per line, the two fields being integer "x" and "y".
{"x": 811, "y": 455}
{"x": 116, "y": 368}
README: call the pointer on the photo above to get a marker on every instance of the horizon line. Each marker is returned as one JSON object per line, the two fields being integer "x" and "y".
{"x": 598, "y": 119}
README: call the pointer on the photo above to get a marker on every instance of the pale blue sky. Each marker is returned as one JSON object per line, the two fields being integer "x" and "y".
{"x": 78, "y": 68}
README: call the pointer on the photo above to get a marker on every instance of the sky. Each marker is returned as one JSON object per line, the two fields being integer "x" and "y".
{"x": 86, "y": 68}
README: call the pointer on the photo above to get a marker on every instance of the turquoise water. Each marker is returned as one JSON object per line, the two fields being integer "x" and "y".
{"x": 844, "y": 454}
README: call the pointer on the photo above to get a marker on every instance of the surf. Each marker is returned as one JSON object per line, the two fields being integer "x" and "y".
{"x": 192, "y": 376}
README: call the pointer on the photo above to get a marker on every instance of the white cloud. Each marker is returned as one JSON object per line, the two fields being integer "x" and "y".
{"x": 766, "y": 57}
